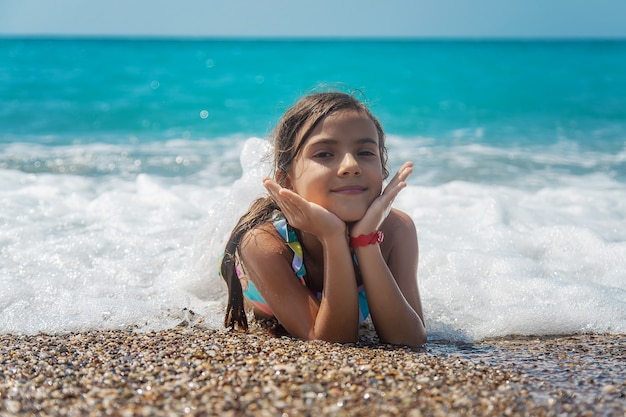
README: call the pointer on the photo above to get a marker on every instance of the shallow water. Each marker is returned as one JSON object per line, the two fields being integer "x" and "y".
{"x": 586, "y": 367}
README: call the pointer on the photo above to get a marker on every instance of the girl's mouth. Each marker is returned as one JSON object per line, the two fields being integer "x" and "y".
{"x": 349, "y": 189}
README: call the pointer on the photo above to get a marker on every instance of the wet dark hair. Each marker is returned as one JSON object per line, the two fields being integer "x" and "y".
{"x": 288, "y": 137}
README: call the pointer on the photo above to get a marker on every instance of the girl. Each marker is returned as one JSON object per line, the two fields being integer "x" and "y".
{"x": 325, "y": 248}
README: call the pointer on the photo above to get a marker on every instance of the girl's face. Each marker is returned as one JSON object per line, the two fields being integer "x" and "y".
{"x": 339, "y": 166}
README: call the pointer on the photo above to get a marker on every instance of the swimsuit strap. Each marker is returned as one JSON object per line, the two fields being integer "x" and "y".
{"x": 289, "y": 235}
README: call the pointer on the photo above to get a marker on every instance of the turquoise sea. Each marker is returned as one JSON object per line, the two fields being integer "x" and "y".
{"x": 124, "y": 162}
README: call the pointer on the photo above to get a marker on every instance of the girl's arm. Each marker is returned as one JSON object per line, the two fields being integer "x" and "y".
{"x": 268, "y": 263}
{"x": 391, "y": 285}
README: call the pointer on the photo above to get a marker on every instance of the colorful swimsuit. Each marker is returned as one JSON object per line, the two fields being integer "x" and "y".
{"x": 297, "y": 264}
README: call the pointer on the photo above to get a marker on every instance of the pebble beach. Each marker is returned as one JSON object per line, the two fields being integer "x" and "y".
{"x": 191, "y": 370}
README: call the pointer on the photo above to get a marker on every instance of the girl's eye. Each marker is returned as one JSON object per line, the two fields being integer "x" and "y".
{"x": 323, "y": 154}
{"x": 367, "y": 153}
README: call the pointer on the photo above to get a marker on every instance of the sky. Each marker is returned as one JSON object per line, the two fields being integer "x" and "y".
{"x": 319, "y": 18}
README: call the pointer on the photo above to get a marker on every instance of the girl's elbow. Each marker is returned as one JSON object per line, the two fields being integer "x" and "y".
{"x": 343, "y": 339}
{"x": 421, "y": 340}
{"x": 416, "y": 339}
{"x": 412, "y": 342}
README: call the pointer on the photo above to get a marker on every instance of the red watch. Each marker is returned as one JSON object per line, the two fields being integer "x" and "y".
{"x": 364, "y": 240}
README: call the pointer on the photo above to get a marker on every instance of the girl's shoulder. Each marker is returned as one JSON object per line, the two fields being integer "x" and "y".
{"x": 264, "y": 240}
{"x": 397, "y": 222}
{"x": 399, "y": 229}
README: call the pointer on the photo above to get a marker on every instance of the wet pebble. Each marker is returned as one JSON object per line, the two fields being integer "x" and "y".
{"x": 195, "y": 371}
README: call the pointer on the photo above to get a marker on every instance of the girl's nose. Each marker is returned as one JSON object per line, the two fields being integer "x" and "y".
{"x": 349, "y": 165}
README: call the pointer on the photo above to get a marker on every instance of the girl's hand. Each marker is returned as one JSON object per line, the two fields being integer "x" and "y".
{"x": 380, "y": 208}
{"x": 302, "y": 214}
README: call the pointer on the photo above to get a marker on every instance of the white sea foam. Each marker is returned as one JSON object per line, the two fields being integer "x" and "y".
{"x": 499, "y": 261}
{"x": 133, "y": 237}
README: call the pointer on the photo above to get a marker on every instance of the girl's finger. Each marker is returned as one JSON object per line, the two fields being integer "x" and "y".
{"x": 293, "y": 202}
{"x": 273, "y": 189}
{"x": 393, "y": 193}
{"x": 403, "y": 172}
{"x": 398, "y": 180}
